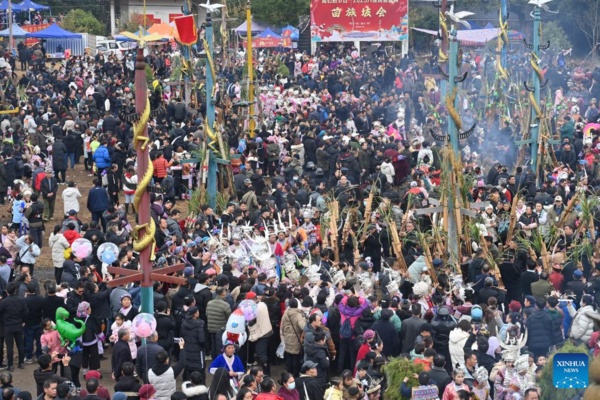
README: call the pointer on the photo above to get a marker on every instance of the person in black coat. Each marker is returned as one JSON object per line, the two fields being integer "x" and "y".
{"x": 540, "y": 327}
{"x": 307, "y": 384}
{"x": 70, "y": 142}
{"x": 387, "y": 333}
{"x": 165, "y": 326}
{"x": 12, "y": 311}
{"x": 32, "y": 320}
{"x": 192, "y": 332}
{"x": 59, "y": 159}
{"x": 121, "y": 354}
{"x": 489, "y": 291}
{"x": 127, "y": 382}
{"x": 52, "y": 302}
{"x": 483, "y": 359}
{"x": 528, "y": 277}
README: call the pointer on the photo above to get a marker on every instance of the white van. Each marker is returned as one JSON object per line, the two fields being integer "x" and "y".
{"x": 114, "y": 47}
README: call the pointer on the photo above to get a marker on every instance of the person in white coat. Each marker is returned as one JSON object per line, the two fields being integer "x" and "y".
{"x": 58, "y": 244}
{"x": 458, "y": 339}
{"x": 583, "y": 319}
{"x": 388, "y": 170}
{"x": 71, "y": 197}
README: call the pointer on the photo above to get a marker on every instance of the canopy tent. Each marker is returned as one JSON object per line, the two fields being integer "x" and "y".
{"x": 479, "y": 36}
{"x": 54, "y": 32}
{"x": 17, "y": 32}
{"x": 291, "y": 32}
{"x": 268, "y": 33}
{"x": 166, "y": 30}
{"x": 28, "y": 6}
{"x": 474, "y": 25}
{"x": 268, "y": 38}
{"x": 4, "y": 6}
{"x": 489, "y": 26}
{"x": 256, "y": 28}
{"x": 134, "y": 37}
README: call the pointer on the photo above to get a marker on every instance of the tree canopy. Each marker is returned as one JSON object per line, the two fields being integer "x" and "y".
{"x": 83, "y": 21}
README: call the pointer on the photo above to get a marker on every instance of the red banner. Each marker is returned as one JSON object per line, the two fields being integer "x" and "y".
{"x": 186, "y": 27}
{"x": 34, "y": 28}
{"x": 358, "y": 20}
{"x": 269, "y": 42}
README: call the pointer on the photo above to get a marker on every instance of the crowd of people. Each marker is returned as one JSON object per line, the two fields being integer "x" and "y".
{"x": 335, "y": 304}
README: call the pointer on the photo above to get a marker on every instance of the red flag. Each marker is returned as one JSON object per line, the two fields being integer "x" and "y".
{"x": 186, "y": 27}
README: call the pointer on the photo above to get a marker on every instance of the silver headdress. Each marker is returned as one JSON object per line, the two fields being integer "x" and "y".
{"x": 481, "y": 375}
{"x": 522, "y": 363}
{"x": 512, "y": 347}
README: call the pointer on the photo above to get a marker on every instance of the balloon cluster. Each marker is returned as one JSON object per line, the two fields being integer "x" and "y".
{"x": 143, "y": 325}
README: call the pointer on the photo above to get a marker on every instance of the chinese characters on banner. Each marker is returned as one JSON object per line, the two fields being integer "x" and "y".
{"x": 269, "y": 42}
{"x": 358, "y": 20}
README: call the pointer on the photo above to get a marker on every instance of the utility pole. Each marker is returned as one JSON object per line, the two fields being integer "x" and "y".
{"x": 10, "y": 31}
{"x": 210, "y": 111}
{"x": 251, "y": 124}
{"x": 535, "y": 117}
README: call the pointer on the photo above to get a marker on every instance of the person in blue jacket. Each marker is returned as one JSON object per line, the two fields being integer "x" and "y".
{"x": 102, "y": 158}
{"x": 98, "y": 202}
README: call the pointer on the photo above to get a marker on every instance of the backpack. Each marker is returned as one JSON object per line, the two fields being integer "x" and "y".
{"x": 38, "y": 180}
{"x": 503, "y": 226}
{"x": 346, "y": 330}
{"x": 358, "y": 342}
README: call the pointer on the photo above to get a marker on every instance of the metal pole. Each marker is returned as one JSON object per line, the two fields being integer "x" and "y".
{"x": 251, "y": 124}
{"x": 185, "y": 51}
{"x": 10, "y": 31}
{"x": 143, "y": 158}
{"x": 504, "y": 20}
{"x": 453, "y": 240}
{"x": 210, "y": 116}
{"x": 444, "y": 48}
{"x": 536, "y": 85}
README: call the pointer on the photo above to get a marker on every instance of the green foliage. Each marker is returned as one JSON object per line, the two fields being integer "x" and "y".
{"x": 149, "y": 74}
{"x": 280, "y": 12}
{"x": 133, "y": 22}
{"x": 283, "y": 70}
{"x": 424, "y": 18}
{"x": 80, "y": 21}
{"x": 553, "y": 32}
{"x": 549, "y": 392}
{"x": 396, "y": 370}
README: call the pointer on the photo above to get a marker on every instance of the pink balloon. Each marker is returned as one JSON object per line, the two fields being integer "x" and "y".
{"x": 81, "y": 252}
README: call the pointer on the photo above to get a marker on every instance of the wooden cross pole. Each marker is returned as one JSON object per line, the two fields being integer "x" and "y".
{"x": 159, "y": 274}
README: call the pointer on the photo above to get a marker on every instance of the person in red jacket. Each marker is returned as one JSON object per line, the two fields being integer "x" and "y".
{"x": 71, "y": 233}
{"x": 160, "y": 167}
{"x": 268, "y": 387}
{"x": 368, "y": 336}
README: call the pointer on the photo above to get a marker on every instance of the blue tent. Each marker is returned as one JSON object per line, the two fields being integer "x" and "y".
{"x": 474, "y": 25}
{"x": 17, "y": 32}
{"x": 293, "y": 33}
{"x": 54, "y": 32}
{"x": 28, "y": 5}
{"x": 268, "y": 33}
{"x": 4, "y": 6}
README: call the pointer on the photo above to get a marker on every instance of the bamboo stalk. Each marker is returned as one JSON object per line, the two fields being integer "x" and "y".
{"x": 568, "y": 210}
{"x": 429, "y": 261}
{"x": 491, "y": 260}
{"x": 513, "y": 219}
{"x": 397, "y": 245}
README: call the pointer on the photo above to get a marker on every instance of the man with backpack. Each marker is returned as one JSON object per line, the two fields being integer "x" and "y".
{"x": 351, "y": 309}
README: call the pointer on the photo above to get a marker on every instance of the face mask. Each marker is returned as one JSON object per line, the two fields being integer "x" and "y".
{"x": 292, "y": 386}
{"x": 295, "y": 178}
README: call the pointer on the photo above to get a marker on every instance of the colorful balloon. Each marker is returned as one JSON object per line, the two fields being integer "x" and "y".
{"x": 249, "y": 309}
{"x": 235, "y": 330}
{"x": 82, "y": 248}
{"x": 108, "y": 257}
{"x": 107, "y": 252}
{"x": 143, "y": 325}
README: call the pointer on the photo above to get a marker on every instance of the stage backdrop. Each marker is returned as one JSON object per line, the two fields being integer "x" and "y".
{"x": 358, "y": 20}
